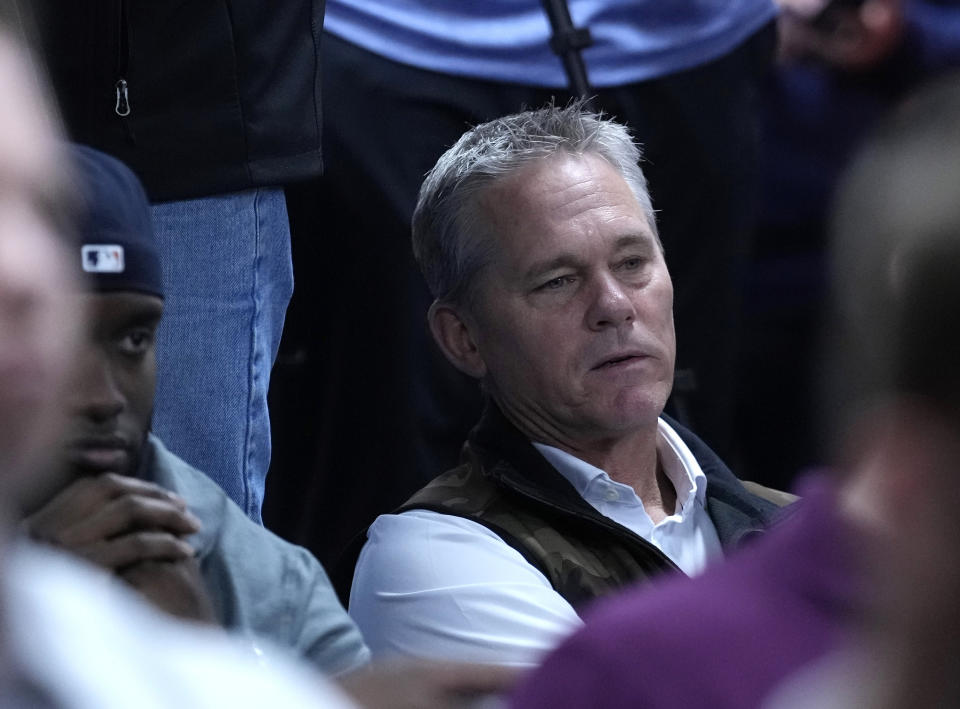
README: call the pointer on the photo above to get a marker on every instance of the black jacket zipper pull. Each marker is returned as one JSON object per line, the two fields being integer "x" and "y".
{"x": 122, "y": 106}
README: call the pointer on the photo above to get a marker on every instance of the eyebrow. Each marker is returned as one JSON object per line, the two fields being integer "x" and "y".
{"x": 569, "y": 261}
{"x": 628, "y": 240}
{"x": 133, "y": 315}
{"x": 145, "y": 318}
{"x": 541, "y": 267}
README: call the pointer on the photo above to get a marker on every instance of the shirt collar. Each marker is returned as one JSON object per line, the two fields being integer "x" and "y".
{"x": 679, "y": 465}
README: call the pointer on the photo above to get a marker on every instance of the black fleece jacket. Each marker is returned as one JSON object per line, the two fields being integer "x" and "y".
{"x": 199, "y": 97}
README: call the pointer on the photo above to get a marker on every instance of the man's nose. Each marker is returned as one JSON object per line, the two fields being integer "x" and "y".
{"x": 611, "y": 304}
{"x": 96, "y": 394}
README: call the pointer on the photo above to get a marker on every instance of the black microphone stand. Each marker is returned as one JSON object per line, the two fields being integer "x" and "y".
{"x": 567, "y": 42}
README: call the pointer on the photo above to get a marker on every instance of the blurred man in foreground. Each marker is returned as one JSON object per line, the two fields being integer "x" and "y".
{"x": 68, "y": 637}
{"x": 897, "y": 282}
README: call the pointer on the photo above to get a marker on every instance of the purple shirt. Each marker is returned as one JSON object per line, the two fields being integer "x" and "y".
{"x": 723, "y": 639}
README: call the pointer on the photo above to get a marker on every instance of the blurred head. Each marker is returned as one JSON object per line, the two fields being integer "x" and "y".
{"x": 536, "y": 234}
{"x": 38, "y": 315}
{"x": 111, "y": 401}
{"x": 896, "y": 277}
{"x": 896, "y": 260}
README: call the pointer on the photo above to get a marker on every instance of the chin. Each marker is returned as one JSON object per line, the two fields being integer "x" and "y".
{"x": 636, "y": 410}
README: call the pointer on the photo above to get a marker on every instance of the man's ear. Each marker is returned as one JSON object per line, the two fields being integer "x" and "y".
{"x": 454, "y": 334}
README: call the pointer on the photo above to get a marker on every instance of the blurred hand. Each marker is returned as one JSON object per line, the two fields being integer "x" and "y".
{"x": 858, "y": 39}
{"x": 115, "y": 521}
{"x": 173, "y": 586}
{"x": 427, "y": 685}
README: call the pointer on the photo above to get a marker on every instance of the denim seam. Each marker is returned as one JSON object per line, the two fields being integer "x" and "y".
{"x": 252, "y": 366}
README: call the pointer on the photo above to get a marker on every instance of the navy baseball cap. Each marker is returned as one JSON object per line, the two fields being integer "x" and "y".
{"x": 117, "y": 244}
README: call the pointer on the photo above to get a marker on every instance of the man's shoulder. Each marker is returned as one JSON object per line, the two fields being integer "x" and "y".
{"x": 500, "y": 471}
{"x": 277, "y": 589}
{"x": 451, "y": 506}
{"x": 408, "y": 544}
{"x": 226, "y": 529}
{"x": 485, "y": 493}
{"x": 167, "y": 469}
{"x": 780, "y": 498}
{"x": 441, "y": 586}
{"x": 736, "y": 507}
{"x": 463, "y": 490}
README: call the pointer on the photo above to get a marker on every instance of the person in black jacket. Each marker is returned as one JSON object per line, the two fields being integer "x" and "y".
{"x": 215, "y": 106}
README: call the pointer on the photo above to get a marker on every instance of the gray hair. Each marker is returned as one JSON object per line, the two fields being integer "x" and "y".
{"x": 447, "y": 242}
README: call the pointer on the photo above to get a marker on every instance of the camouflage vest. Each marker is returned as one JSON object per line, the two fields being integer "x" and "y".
{"x": 505, "y": 484}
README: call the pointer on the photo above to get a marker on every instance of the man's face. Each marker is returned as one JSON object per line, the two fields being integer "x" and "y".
{"x": 38, "y": 318}
{"x": 574, "y": 318}
{"x": 111, "y": 400}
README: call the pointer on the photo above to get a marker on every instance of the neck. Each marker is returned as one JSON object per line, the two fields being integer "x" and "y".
{"x": 630, "y": 458}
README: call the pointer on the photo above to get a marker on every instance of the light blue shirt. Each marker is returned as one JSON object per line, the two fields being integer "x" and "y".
{"x": 507, "y": 40}
{"x": 440, "y": 586}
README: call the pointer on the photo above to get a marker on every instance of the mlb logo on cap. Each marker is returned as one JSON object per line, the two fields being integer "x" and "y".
{"x": 102, "y": 258}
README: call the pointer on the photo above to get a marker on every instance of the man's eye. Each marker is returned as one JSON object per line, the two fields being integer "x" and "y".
{"x": 556, "y": 283}
{"x": 136, "y": 342}
{"x": 632, "y": 263}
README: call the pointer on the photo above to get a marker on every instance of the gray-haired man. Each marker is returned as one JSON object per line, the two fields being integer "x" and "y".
{"x": 537, "y": 238}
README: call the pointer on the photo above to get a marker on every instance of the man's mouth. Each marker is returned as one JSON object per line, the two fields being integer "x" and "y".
{"x": 101, "y": 454}
{"x": 619, "y": 360}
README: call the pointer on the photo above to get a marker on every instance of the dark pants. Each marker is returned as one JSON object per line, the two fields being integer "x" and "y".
{"x": 384, "y": 411}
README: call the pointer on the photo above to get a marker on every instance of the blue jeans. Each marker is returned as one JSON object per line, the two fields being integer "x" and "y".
{"x": 228, "y": 276}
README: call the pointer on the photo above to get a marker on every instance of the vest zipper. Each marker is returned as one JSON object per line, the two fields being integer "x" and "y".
{"x": 122, "y": 107}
